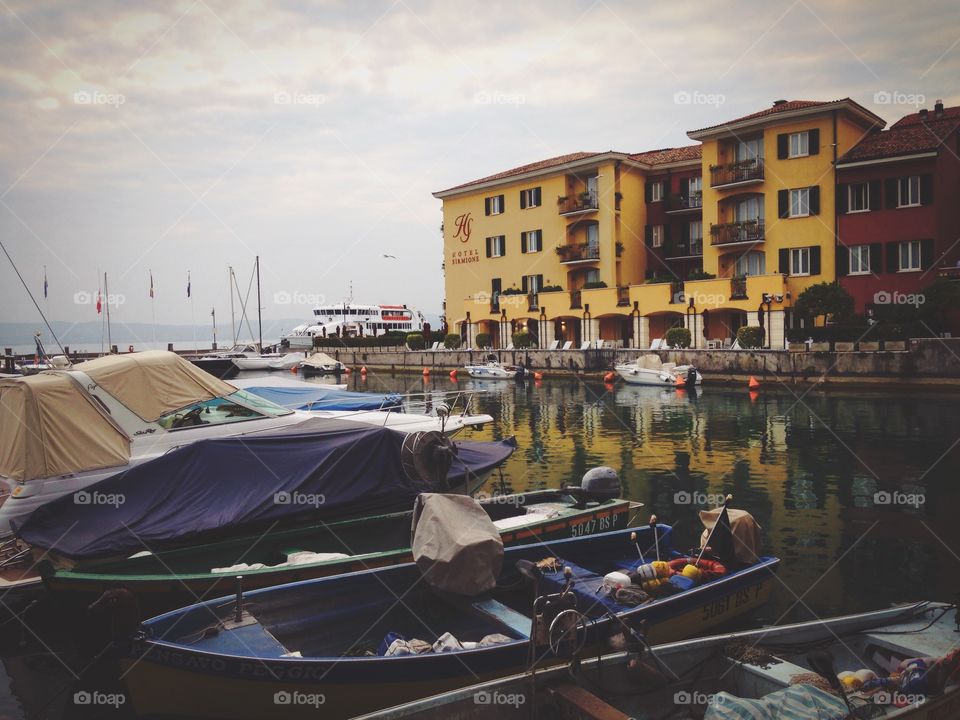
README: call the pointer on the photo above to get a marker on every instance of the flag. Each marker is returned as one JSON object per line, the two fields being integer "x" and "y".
{"x": 99, "y": 301}
{"x": 151, "y": 284}
{"x": 45, "y": 282}
{"x": 188, "y": 283}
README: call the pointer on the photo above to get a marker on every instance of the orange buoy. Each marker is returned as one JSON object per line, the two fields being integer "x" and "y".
{"x": 538, "y": 375}
{"x": 347, "y": 370}
{"x": 610, "y": 377}
{"x": 453, "y": 374}
{"x": 754, "y": 395}
{"x": 754, "y": 384}
{"x": 426, "y": 371}
{"x": 294, "y": 369}
{"x": 363, "y": 370}
{"x": 681, "y": 382}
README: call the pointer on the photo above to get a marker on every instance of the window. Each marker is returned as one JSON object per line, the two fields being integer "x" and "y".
{"x": 753, "y": 263}
{"x": 656, "y": 191}
{"x": 657, "y": 237}
{"x": 696, "y": 238}
{"x": 530, "y": 198}
{"x": 800, "y": 261}
{"x": 750, "y": 208}
{"x": 858, "y": 197}
{"x": 591, "y": 276}
{"x": 493, "y": 205}
{"x": 593, "y": 234}
{"x": 695, "y": 186}
{"x": 531, "y": 241}
{"x": 496, "y": 246}
{"x": 908, "y": 191}
{"x": 860, "y": 260}
{"x": 532, "y": 283}
{"x": 800, "y": 202}
{"x": 909, "y": 255}
{"x": 748, "y": 149}
{"x": 799, "y": 144}
{"x": 236, "y": 407}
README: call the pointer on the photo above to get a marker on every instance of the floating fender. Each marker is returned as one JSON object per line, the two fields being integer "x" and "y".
{"x": 363, "y": 370}
{"x": 538, "y": 375}
{"x": 426, "y": 371}
{"x": 610, "y": 377}
{"x": 707, "y": 569}
{"x": 453, "y": 375}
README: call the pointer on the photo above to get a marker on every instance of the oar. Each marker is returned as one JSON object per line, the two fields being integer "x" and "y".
{"x": 726, "y": 500}
{"x": 822, "y": 662}
{"x": 656, "y": 535}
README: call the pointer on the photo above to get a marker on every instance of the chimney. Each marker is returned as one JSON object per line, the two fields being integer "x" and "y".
{"x": 923, "y": 113}
{"x": 777, "y": 103}
{"x": 938, "y": 108}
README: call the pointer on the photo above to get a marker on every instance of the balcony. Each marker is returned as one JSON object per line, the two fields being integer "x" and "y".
{"x": 685, "y": 203}
{"x": 742, "y": 172}
{"x": 623, "y": 296}
{"x": 575, "y": 300}
{"x": 581, "y": 253}
{"x": 737, "y": 233}
{"x": 683, "y": 249}
{"x": 580, "y": 204}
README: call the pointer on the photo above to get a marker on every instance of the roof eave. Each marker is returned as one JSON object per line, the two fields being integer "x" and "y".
{"x": 778, "y": 118}
{"x": 897, "y": 157}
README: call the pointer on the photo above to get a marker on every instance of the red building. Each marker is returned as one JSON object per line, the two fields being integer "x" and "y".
{"x": 898, "y": 217}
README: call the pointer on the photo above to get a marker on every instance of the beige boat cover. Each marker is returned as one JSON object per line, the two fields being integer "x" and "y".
{"x": 155, "y": 382}
{"x": 747, "y": 542}
{"x": 49, "y": 427}
{"x": 319, "y": 360}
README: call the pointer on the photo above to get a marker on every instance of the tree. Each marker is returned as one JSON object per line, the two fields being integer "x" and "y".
{"x": 937, "y": 303}
{"x": 825, "y": 299}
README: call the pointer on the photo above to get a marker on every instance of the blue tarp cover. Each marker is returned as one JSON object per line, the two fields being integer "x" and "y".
{"x": 321, "y": 398}
{"x": 328, "y": 470}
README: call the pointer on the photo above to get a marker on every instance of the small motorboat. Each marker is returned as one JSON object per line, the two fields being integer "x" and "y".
{"x": 650, "y": 370}
{"x": 172, "y": 578}
{"x": 466, "y": 609}
{"x": 287, "y": 361}
{"x": 493, "y": 369}
{"x": 226, "y": 363}
{"x": 320, "y": 363}
{"x": 900, "y": 663}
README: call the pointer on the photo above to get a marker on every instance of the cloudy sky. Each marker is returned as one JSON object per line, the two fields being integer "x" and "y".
{"x": 196, "y": 134}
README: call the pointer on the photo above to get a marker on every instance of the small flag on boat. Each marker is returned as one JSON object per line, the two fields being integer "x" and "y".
{"x": 99, "y": 301}
{"x": 45, "y": 285}
{"x": 188, "y": 283}
{"x": 151, "y": 284}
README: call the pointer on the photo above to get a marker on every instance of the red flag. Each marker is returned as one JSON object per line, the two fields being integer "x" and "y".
{"x": 99, "y": 303}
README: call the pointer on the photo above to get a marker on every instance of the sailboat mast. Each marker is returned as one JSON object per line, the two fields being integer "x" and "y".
{"x": 233, "y": 320}
{"x": 259, "y": 307}
{"x": 106, "y": 298}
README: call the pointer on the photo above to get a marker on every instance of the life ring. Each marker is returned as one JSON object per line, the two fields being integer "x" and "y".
{"x": 711, "y": 569}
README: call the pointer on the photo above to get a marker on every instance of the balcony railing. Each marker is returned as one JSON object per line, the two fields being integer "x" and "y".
{"x": 575, "y": 301}
{"x": 623, "y": 296}
{"x": 738, "y": 288}
{"x": 737, "y": 172}
{"x": 580, "y": 203}
{"x": 685, "y": 201}
{"x": 748, "y": 231}
{"x": 584, "y": 252}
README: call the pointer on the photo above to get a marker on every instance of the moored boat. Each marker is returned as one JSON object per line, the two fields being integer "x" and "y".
{"x": 351, "y": 644}
{"x": 649, "y": 370}
{"x": 493, "y": 369}
{"x": 320, "y": 363}
{"x": 906, "y": 653}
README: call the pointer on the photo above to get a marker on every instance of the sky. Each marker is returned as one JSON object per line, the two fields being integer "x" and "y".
{"x": 191, "y": 136}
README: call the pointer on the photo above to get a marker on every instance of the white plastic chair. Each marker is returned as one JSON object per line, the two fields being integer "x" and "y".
{"x": 567, "y": 345}
{"x": 554, "y": 345}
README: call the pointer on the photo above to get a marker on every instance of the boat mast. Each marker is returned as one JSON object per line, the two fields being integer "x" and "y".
{"x": 106, "y": 299}
{"x": 259, "y": 307}
{"x": 233, "y": 320}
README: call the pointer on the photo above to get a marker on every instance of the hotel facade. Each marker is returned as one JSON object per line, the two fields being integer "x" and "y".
{"x": 619, "y": 247}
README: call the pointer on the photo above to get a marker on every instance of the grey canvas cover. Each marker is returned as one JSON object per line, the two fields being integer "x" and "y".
{"x": 455, "y": 544}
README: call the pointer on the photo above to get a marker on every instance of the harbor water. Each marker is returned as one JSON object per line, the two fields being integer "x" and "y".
{"x": 854, "y": 490}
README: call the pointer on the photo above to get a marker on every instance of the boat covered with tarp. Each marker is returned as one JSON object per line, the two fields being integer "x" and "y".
{"x": 319, "y": 469}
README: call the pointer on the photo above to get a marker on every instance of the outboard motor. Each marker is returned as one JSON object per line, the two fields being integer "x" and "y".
{"x": 600, "y": 484}
{"x": 691, "y": 376}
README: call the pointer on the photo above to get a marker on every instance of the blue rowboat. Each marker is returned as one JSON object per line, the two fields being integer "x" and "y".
{"x": 317, "y": 645}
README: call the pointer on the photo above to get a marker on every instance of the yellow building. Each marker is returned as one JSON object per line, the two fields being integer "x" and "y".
{"x": 612, "y": 246}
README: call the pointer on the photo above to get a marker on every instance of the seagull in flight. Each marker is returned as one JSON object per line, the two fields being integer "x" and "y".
{"x": 390, "y": 256}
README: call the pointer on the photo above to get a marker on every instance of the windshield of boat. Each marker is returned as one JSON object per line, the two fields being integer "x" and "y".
{"x": 235, "y": 407}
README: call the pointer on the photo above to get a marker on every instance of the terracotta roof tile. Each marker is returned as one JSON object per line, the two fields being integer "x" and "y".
{"x": 950, "y": 113}
{"x": 553, "y": 162}
{"x": 773, "y": 110}
{"x": 669, "y": 155}
{"x": 903, "y": 139}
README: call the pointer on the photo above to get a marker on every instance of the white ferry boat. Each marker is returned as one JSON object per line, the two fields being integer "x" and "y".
{"x": 349, "y": 319}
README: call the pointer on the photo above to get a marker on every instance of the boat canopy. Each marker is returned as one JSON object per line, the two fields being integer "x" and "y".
{"x": 319, "y": 397}
{"x": 317, "y": 470}
{"x": 320, "y": 360}
{"x": 154, "y": 382}
{"x": 52, "y": 427}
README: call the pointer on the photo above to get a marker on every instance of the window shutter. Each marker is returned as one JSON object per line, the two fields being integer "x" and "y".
{"x": 785, "y": 262}
{"x": 539, "y": 239}
{"x": 783, "y": 203}
{"x": 523, "y": 242}
{"x": 524, "y": 284}
{"x": 842, "y": 190}
{"x": 503, "y": 205}
{"x": 536, "y": 196}
{"x": 648, "y": 191}
{"x": 648, "y": 235}
{"x": 843, "y": 260}
{"x": 890, "y": 193}
{"x": 926, "y": 253}
{"x": 813, "y": 141}
{"x": 926, "y": 189}
{"x": 815, "y": 260}
{"x": 893, "y": 257}
{"x": 815, "y": 200}
{"x": 876, "y": 261}
{"x": 539, "y": 282}
{"x": 489, "y": 241}
{"x": 874, "y": 195}
{"x": 486, "y": 211}
{"x": 503, "y": 245}
{"x": 523, "y": 200}
{"x": 783, "y": 146}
